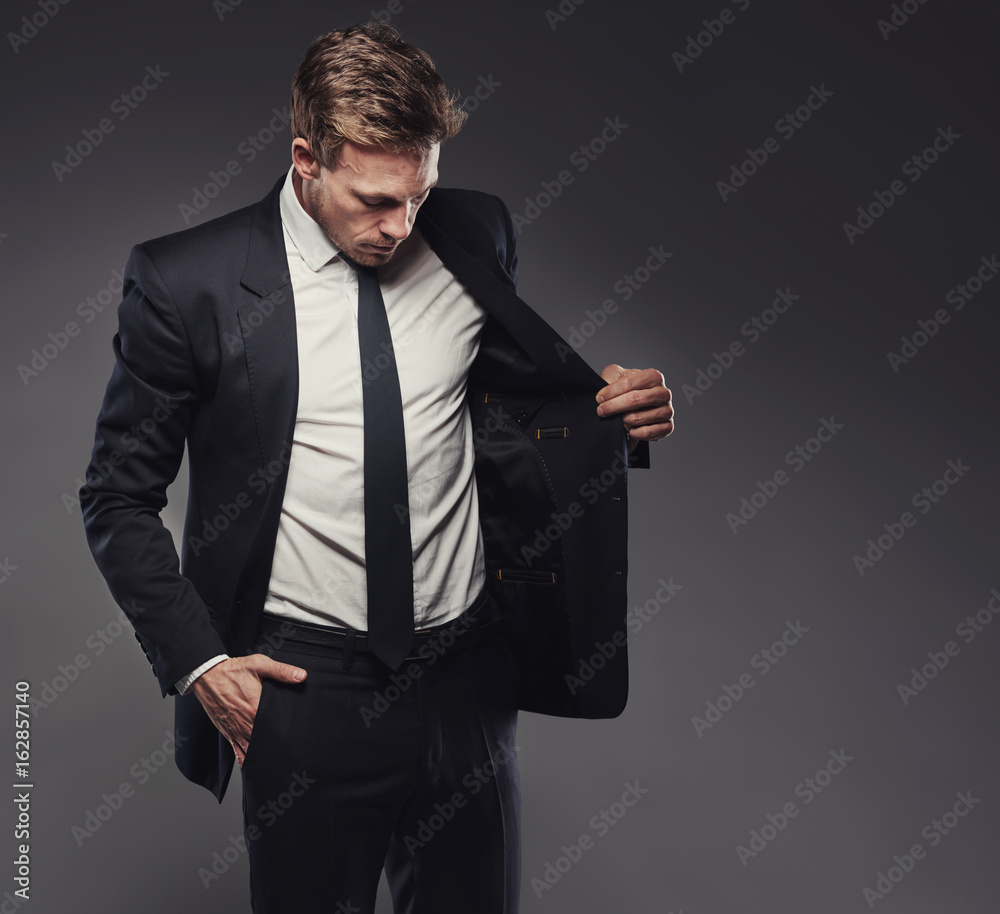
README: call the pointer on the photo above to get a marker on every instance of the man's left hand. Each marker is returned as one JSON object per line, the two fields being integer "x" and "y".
{"x": 642, "y": 398}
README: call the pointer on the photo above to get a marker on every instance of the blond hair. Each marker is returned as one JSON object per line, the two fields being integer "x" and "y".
{"x": 366, "y": 85}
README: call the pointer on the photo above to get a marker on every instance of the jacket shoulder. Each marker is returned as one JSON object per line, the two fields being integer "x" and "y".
{"x": 468, "y": 210}
{"x": 478, "y": 222}
{"x": 184, "y": 278}
{"x": 230, "y": 229}
{"x": 219, "y": 245}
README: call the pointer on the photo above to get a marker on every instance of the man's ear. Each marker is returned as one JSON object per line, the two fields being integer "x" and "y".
{"x": 306, "y": 164}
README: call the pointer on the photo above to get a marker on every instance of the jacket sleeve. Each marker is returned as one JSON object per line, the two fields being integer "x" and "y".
{"x": 148, "y": 407}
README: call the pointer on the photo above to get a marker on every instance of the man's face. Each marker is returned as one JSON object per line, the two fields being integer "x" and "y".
{"x": 368, "y": 201}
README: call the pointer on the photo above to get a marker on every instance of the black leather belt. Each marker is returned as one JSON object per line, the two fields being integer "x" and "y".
{"x": 478, "y": 622}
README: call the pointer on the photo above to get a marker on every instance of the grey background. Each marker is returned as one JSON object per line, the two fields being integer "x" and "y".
{"x": 676, "y": 849}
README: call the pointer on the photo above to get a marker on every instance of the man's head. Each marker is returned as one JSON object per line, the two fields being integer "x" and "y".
{"x": 369, "y": 113}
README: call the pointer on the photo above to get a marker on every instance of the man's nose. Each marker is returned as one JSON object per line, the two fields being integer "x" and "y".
{"x": 396, "y": 223}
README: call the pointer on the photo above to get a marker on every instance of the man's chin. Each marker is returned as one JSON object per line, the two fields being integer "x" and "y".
{"x": 371, "y": 255}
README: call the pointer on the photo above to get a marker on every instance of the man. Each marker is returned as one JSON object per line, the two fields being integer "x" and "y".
{"x": 353, "y": 375}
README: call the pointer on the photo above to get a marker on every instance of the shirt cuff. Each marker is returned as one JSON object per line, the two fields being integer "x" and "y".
{"x": 182, "y": 685}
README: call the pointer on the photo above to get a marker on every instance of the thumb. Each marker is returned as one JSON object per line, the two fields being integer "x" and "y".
{"x": 612, "y": 373}
{"x": 269, "y": 668}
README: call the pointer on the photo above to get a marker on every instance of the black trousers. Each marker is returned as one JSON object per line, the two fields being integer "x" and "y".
{"x": 358, "y": 768}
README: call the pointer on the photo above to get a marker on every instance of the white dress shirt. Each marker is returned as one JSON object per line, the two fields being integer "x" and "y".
{"x": 318, "y": 571}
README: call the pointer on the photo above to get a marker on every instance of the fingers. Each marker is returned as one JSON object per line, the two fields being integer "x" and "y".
{"x": 261, "y": 667}
{"x": 235, "y": 724}
{"x": 655, "y": 432}
{"x": 631, "y": 388}
{"x": 230, "y": 694}
{"x": 650, "y": 424}
{"x": 641, "y": 398}
{"x": 269, "y": 668}
{"x": 655, "y": 403}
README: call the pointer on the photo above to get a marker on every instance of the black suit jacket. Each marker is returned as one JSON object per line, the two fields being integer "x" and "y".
{"x": 206, "y": 357}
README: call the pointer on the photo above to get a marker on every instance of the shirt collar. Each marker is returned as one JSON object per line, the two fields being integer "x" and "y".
{"x": 309, "y": 239}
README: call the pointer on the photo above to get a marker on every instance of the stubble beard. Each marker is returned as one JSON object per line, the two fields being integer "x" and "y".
{"x": 365, "y": 258}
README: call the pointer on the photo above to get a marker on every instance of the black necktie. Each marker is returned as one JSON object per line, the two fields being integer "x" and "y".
{"x": 388, "y": 554}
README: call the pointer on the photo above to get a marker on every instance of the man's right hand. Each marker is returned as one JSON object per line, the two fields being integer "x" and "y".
{"x": 230, "y": 693}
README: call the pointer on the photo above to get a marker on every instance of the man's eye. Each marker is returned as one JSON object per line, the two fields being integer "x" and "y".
{"x": 372, "y": 205}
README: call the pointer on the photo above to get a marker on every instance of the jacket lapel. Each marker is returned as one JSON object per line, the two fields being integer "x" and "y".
{"x": 267, "y": 322}
{"x": 532, "y": 353}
